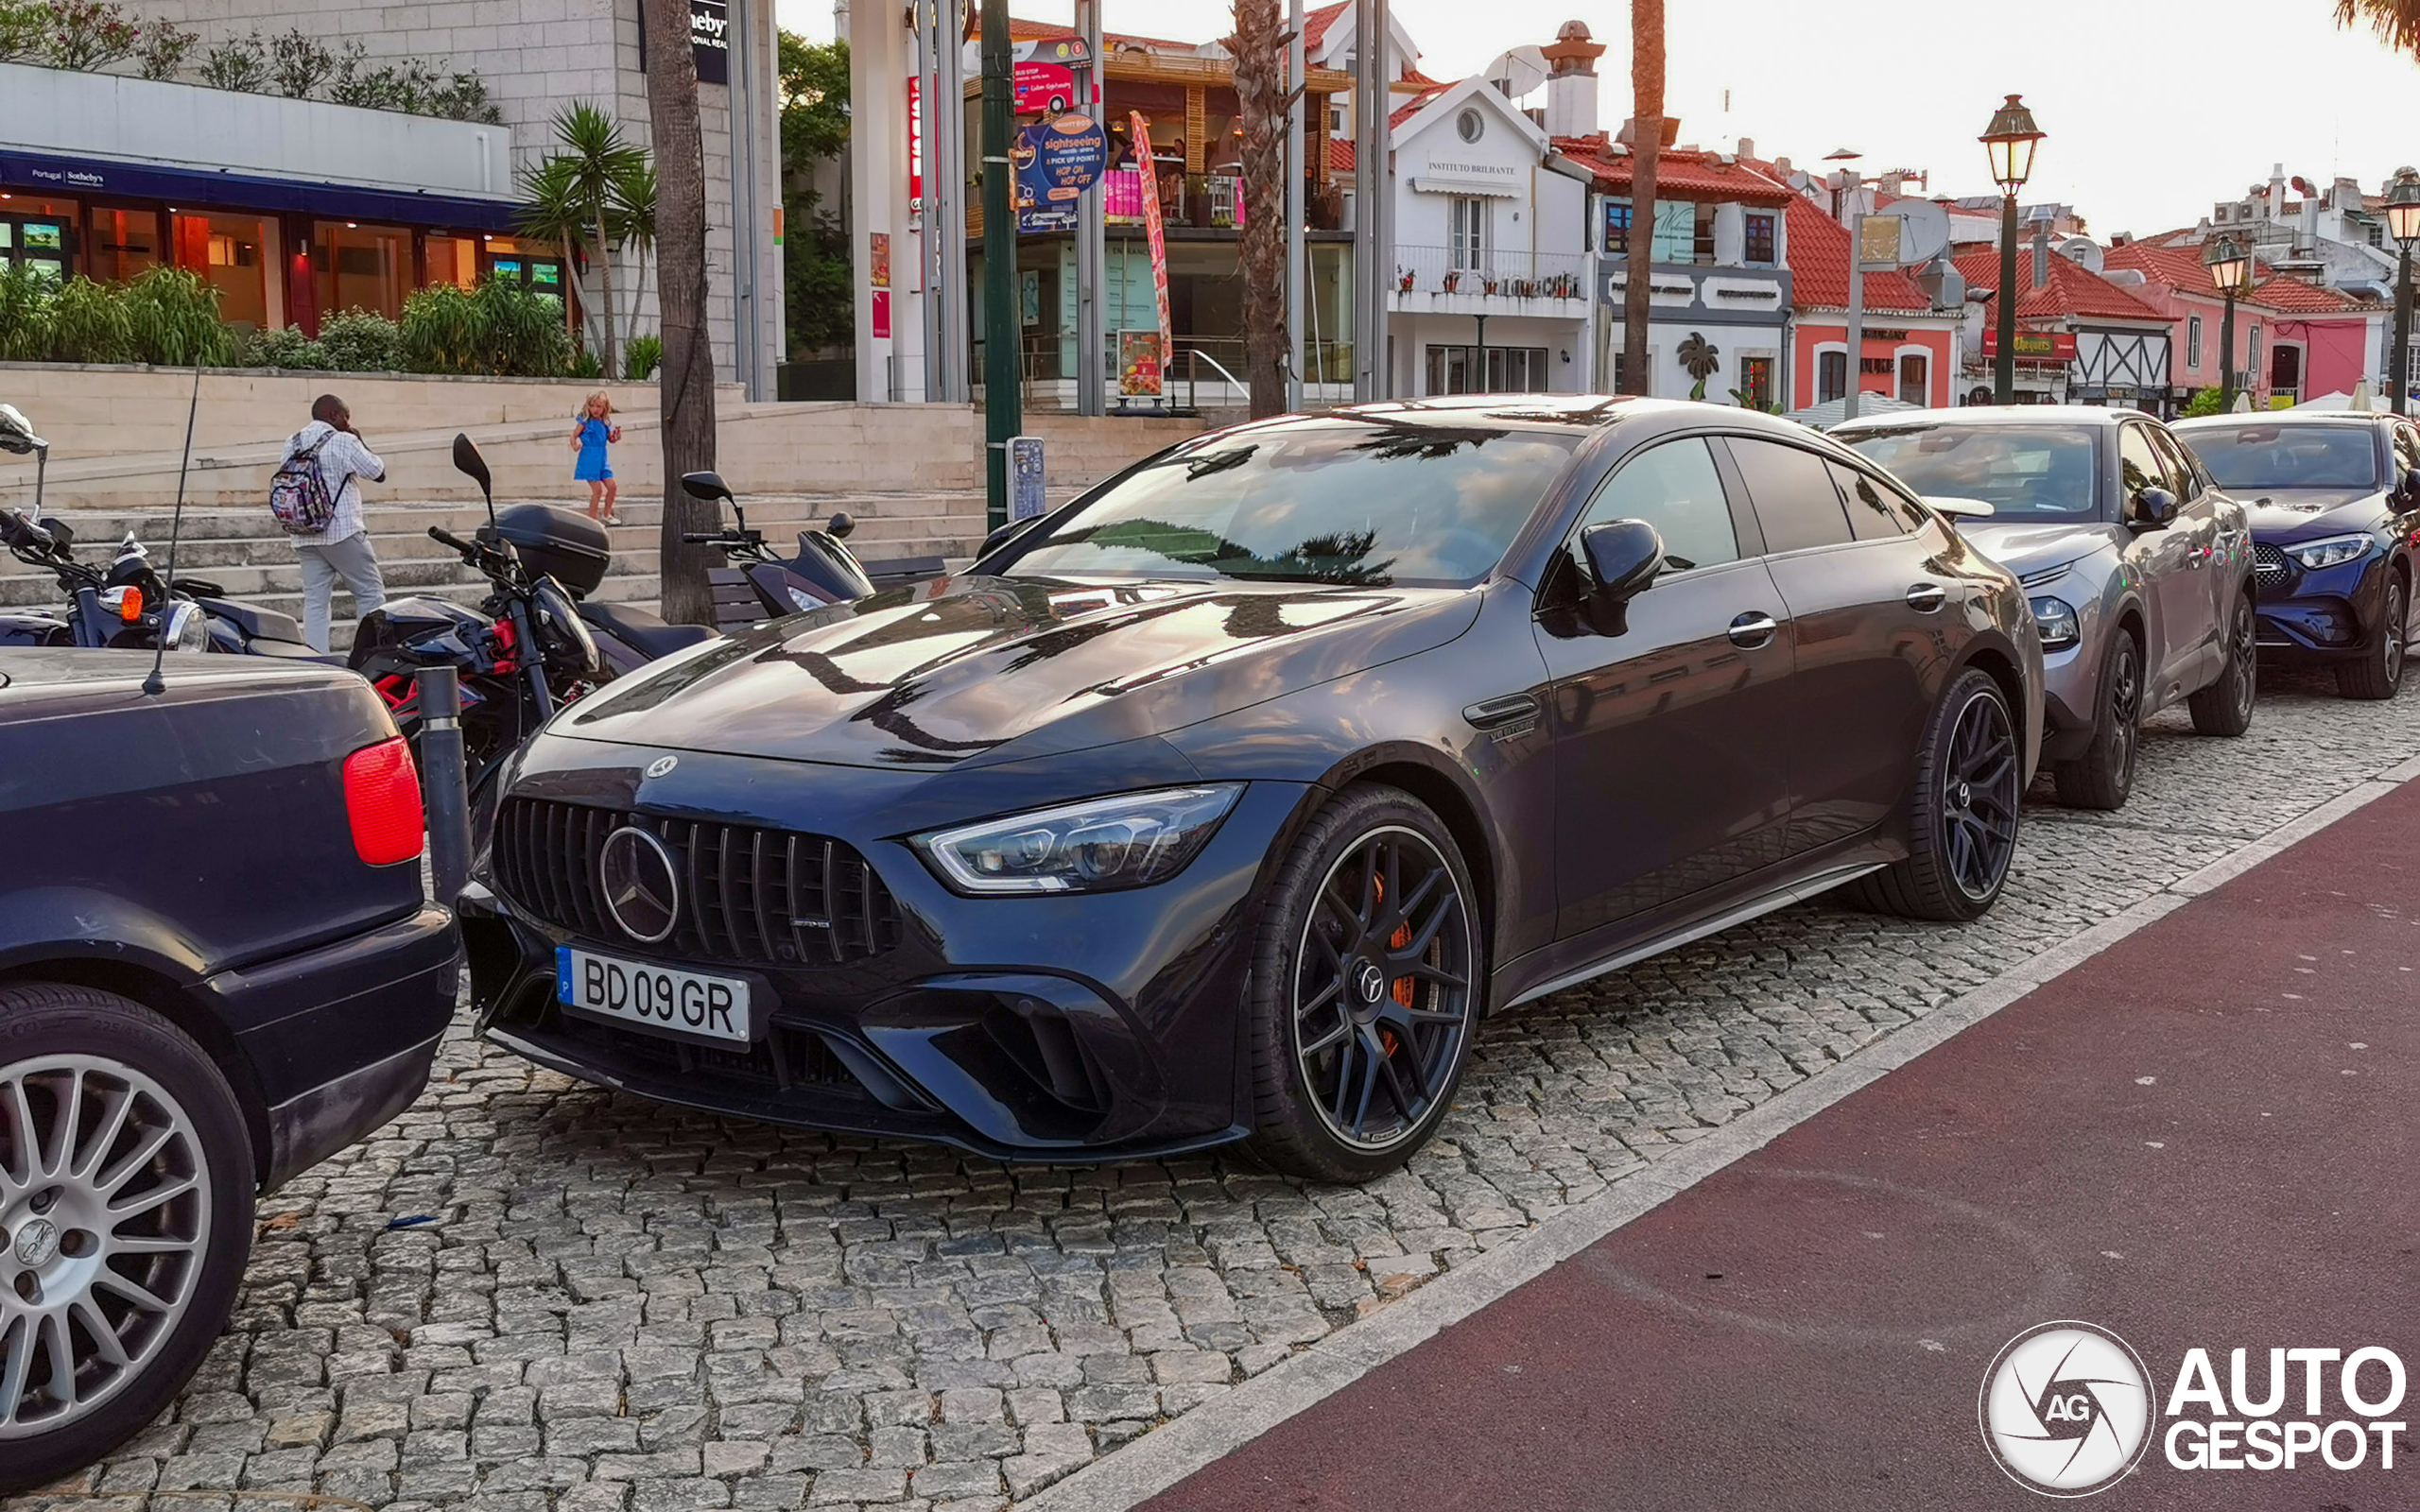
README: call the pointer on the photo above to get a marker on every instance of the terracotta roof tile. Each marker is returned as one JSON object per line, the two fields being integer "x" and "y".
{"x": 1315, "y": 23}
{"x": 2073, "y": 289}
{"x": 1819, "y": 268}
{"x": 1679, "y": 174}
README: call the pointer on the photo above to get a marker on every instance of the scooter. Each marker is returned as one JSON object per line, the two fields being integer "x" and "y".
{"x": 763, "y": 585}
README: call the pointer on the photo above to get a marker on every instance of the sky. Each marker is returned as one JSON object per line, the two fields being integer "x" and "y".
{"x": 2154, "y": 109}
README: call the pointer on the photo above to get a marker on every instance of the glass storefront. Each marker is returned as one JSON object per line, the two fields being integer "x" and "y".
{"x": 235, "y": 252}
{"x": 39, "y": 233}
{"x": 526, "y": 263}
{"x": 120, "y": 241}
{"x": 361, "y": 267}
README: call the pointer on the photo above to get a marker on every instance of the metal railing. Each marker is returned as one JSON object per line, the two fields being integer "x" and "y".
{"x": 1491, "y": 274}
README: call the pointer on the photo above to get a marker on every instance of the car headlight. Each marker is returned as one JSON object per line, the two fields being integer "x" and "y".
{"x": 2054, "y": 620}
{"x": 1129, "y": 841}
{"x": 2314, "y": 555}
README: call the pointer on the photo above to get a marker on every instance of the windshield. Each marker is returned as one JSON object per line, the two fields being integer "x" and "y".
{"x": 2286, "y": 457}
{"x": 1367, "y": 500}
{"x": 2023, "y": 471}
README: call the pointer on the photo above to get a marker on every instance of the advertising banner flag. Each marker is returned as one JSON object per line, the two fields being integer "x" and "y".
{"x": 1156, "y": 234}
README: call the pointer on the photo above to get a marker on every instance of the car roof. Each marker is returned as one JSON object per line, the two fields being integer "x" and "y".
{"x": 2287, "y": 416}
{"x": 1575, "y": 413}
{"x": 1997, "y": 415}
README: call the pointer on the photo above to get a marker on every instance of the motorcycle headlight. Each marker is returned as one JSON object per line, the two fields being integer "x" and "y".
{"x": 1129, "y": 841}
{"x": 559, "y": 625}
{"x": 2314, "y": 555}
{"x": 2054, "y": 620}
{"x": 188, "y": 628}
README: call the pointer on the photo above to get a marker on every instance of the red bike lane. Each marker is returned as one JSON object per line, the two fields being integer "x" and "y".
{"x": 2202, "y": 1137}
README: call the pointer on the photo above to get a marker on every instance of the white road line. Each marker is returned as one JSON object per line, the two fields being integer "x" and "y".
{"x": 1166, "y": 1455}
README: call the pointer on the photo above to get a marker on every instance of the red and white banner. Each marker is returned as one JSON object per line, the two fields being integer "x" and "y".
{"x": 1154, "y": 231}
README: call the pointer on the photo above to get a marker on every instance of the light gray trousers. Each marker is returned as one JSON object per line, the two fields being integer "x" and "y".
{"x": 352, "y": 559}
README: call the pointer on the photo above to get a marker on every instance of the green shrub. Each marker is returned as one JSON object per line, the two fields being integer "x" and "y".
{"x": 89, "y": 323}
{"x": 437, "y": 330}
{"x": 498, "y": 328}
{"x": 289, "y": 347}
{"x": 2204, "y": 402}
{"x": 238, "y": 64}
{"x": 362, "y": 341}
{"x": 172, "y": 315}
{"x": 641, "y": 358}
{"x": 26, "y": 307}
{"x": 25, "y": 29}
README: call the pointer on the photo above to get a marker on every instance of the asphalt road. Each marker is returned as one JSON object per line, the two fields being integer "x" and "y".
{"x": 2202, "y": 1137}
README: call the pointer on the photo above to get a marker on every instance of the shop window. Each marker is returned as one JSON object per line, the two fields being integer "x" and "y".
{"x": 507, "y": 262}
{"x": 119, "y": 243}
{"x": 234, "y": 252}
{"x": 453, "y": 260}
{"x": 1756, "y": 382}
{"x": 361, "y": 267}
{"x": 1456, "y": 370}
{"x": 1916, "y": 379}
{"x": 1831, "y": 376}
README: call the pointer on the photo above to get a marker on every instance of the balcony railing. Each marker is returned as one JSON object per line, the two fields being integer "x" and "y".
{"x": 1209, "y": 201}
{"x": 1499, "y": 275}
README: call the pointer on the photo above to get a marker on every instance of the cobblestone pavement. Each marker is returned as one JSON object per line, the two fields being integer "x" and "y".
{"x": 616, "y": 1307}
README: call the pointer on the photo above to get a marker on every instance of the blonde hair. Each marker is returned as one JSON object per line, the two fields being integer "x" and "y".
{"x": 593, "y": 401}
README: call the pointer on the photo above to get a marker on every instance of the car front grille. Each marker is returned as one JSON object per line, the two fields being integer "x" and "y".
{"x": 2267, "y": 564}
{"x": 762, "y": 897}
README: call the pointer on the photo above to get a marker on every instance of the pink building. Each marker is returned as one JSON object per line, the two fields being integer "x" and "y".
{"x": 2294, "y": 339}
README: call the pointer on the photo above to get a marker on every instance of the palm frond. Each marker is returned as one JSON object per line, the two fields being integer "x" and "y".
{"x": 2396, "y": 22}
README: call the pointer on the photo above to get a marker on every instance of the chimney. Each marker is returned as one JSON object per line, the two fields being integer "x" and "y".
{"x": 2277, "y": 192}
{"x": 2041, "y": 254}
{"x": 1571, "y": 86}
{"x": 1748, "y": 146}
{"x": 1892, "y": 181}
{"x": 1781, "y": 165}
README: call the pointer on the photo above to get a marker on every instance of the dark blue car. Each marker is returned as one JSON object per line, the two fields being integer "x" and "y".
{"x": 2335, "y": 502}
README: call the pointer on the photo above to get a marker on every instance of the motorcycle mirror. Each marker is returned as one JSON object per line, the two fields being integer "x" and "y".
{"x": 841, "y": 523}
{"x": 468, "y": 462}
{"x": 17, "y": 433}
{"x": 707, "y": 486}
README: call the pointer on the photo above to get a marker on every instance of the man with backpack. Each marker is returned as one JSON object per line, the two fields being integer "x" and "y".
{"x": 315, "y": 495}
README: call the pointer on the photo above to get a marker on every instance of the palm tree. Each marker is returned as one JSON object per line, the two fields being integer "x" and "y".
{"x": 634, "y": 223}
{"x": 2396, "y": 22}
{"x": 551, "y": 209}
{"x": 1263, "y": 100}
{"x": 1647, "y": 142}
{"x": 685, "y": 390}
{"x": 1701, "y": 359}
{"x": 598, "y": 155}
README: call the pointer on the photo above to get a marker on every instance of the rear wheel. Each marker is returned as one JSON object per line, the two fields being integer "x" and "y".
{"x": 2104, "y": 774}
{"x": 2378, "y": 674}
{"x": 1963, "y": 816}
{"x": 126, "y": 1212}
{"x": 1366, "y": 988}
{"x": 2224, "y": 708}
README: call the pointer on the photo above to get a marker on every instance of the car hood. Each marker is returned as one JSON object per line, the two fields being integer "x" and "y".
{"x": 2028, "y": 548}
{"x": 2292, "y": 514}
{"x": 967, "y": 670}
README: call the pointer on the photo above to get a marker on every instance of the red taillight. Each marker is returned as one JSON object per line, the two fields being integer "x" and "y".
{"x": 382, "y": 798}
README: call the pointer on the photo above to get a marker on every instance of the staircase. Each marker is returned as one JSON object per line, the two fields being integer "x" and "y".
{"x": 241, "y": 548}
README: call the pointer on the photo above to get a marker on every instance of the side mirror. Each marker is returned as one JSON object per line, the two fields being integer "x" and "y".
{"x": 1623, "y": 555}
{"x": 468, "y": 462}
{"x": 1004, "y": 534}
{"x": 17, "y": 433}
{"x": 841, "y": 523}
{"x": 707, "y": 486}
{"x": 2411, "y": 481}
{"x": 1958, "y": 508}
{"x": 2155, "y": 509}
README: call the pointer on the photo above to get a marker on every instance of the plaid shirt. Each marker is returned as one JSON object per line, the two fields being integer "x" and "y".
{"x": 343, "y": 462}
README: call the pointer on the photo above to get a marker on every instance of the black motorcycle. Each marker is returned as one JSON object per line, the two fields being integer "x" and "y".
{"x": 521, "y": 655}
{"x": 761, "y": 584}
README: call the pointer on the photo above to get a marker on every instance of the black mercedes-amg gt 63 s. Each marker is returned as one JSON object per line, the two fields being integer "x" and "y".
{"x": 1223, "y": 802}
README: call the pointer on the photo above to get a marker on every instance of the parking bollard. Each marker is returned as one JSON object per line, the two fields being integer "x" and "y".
{"x": 447, "y": 795}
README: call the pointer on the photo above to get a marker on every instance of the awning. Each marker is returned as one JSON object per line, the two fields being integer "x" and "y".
{"x": 1437, "y": 183}
{"x": 110, "y": 178}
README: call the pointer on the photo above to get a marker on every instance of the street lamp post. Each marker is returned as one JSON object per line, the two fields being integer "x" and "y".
{"x": 2227, "y": 263}
{"x": 2403, "y": 221}
{"x": 2009, "y": 140}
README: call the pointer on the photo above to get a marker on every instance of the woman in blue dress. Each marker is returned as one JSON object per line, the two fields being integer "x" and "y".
{"x": 594, "y": 430}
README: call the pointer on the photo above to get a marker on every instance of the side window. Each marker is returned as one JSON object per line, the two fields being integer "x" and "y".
{"x": 2139, "y": 464}
{"x": 2407, "y": 448}
{"x": 1792, "y": 493}
{"x": 2187, "y": 478}
{"x": 1874, "y": 511}
{"x": 1675, "y": 488}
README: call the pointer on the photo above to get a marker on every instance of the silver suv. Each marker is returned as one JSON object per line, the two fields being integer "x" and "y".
{"x": 2139, "y": 568}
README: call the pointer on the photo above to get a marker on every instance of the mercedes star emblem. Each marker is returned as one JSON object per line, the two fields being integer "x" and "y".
{"x": 641, "y": 886}
{"x": 662, "y": 764}
{"x": 1370, "y": 982}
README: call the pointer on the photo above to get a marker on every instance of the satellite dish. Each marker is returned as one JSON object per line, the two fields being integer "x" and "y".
{"x": 1518, "y": 70}
{"x": 1924, "y": 230}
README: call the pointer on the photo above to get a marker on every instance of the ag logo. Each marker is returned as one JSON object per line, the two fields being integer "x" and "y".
{"x": 2066, "y": 1409}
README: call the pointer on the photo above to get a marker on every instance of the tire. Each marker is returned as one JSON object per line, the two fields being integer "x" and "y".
{"x": 1385, "y": 1051}
{"x": 2224, "y": 708}
{"x": 2104, "y": 774}
{"x": 1968, "y": 792}
{"x": 2378, "y": 674}
{"x": 133, "y": 1077}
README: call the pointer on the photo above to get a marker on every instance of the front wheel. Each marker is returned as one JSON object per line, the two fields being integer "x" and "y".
{"x": 2103, "y": 776}
{"x": 126, "y": 1214}
{"x": 2224, "y": 708}
{"x": 2378, "y": 674}
{"x": 1366, "y": 984}
{"x": 1963, "y": 816}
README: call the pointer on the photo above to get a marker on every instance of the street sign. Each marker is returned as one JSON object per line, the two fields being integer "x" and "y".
{"x": 1877, "y": 240}
{"x": 1025, "y": 477}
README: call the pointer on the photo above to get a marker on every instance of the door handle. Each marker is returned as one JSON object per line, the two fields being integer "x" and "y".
{"x": 1925, "y": 597}
{"x": 1495, "y": 714}
{"x": 1752, "y": 629}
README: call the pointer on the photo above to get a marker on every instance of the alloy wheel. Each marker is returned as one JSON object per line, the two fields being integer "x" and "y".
{"x": 105, "y": 1222}
{"x": 2125, "y": 712}
{"x": 2391, "y": 656}
{"x": 1979, "y": 795}
{"x": 2242, "y": 652}
{"x": 1383, "y": 988}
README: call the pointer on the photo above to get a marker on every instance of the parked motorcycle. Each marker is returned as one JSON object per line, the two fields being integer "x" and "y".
{"x": 766, "y": 585}
{"x": 575, "y": 551}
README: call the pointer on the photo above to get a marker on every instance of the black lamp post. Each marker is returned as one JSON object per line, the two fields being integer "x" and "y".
{"x": 2228, "y": 264}
{"x": 2009, "y": 140}
{"x": 2403, "y": 221}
